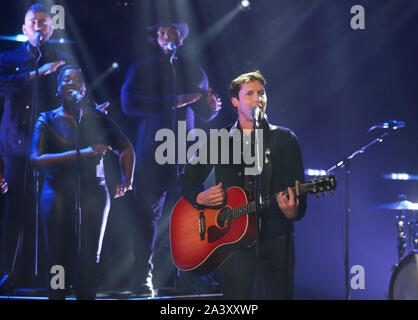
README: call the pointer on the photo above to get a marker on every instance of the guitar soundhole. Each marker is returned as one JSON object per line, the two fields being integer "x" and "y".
{"x": 223, "y": 221}
{"x": 223, "y": 217}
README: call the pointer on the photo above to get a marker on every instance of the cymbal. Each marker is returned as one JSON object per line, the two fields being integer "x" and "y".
{"x": 400, "y": 205}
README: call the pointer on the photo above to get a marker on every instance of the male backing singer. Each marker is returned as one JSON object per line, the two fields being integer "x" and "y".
{"x": 17, "y": 74}
{"x": 160, "y": 91}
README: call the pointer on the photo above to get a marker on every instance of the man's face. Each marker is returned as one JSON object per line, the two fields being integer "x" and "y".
{"x": 37, "y": 21}
{"x": 72, "y": 80}
{"x": 166, "y": 35}
{"x": 251, "y": 94}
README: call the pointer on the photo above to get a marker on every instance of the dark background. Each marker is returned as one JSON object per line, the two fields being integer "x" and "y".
{"x": 325, "y": 81}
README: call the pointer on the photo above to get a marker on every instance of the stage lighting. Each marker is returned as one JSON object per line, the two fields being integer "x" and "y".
{"x": 245, "y": 4}
{"x": 125, "y": 3}
{"x": 315, "y": 172}
{"x": 21, "y": 38}
{"x": 400, "y": 176}
{"x": 115, "y": 65}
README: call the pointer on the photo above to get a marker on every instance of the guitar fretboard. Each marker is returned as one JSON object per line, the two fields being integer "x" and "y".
{"x": 250, "y": 207}
{"x": 313, "y": 186}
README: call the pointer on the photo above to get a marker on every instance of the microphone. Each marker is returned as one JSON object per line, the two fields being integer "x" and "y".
{"x": 391, "y": 125}
{"x": 77, "y": 95}
{"x": 37, "y": 38}
{"x": 172, "y": 46}
{"x": 256, "y": 112}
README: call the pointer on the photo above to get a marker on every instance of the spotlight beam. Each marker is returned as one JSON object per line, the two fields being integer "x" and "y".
{"x": 212, "y": 32}
{"x": 113, "y": 67}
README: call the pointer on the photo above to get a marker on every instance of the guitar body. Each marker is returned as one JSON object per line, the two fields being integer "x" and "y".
{"x": 199, "y": 242}
{"x": 202, "y": 239}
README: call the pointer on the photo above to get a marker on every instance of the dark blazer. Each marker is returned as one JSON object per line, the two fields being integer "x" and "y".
{"x": 282, "y": 166}
{"x": 148, "y": 94}
{"x": 17, "y": 92}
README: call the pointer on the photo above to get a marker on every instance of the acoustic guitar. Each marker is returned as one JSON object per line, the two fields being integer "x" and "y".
{"x": 201, "y": 240}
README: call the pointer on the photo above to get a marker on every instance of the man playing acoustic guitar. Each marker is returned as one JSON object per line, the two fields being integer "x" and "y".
{"x": 271, "y": 256}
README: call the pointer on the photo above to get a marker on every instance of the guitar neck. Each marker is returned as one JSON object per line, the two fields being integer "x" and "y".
{"x": 323, "y": 184}
{"x": 250, "y": 207}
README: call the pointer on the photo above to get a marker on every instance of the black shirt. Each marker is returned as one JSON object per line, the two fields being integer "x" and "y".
{"x": 17, "y": 91}
{"x": 282, "y": 166}
{"x": 54, "y": 133}
{"x": 149, "y": 94}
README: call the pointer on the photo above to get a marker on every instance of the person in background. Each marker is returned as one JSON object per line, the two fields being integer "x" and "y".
{"x": 160, "y": 91}
{"x": 17, "y": 74}
{"x": 54, "y": 151}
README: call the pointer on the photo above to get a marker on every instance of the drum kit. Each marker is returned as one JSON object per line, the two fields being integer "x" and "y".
{"x": 404, "y": 281}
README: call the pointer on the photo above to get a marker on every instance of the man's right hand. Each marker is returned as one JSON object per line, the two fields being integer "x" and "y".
{"x": 98, "y": 149}
{"x": 212, "y": 197}
{"x": 187, "y": 98}
{"x": 3, "y": 184}
{"x": 47, "y": 68}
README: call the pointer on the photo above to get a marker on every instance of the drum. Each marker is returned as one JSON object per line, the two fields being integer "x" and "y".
{"x": 404, "y": 280}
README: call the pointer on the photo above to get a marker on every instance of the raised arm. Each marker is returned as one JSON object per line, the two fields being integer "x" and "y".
{"x": 139, "y": 93}
{"x": 41, "y": 159}
{"x": 209, "y": 106}
{"x": 12, "y": 79}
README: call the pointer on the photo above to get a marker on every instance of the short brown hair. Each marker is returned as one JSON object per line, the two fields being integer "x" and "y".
{"x": 236, "y": 84}
{"x": 39, "y": 7}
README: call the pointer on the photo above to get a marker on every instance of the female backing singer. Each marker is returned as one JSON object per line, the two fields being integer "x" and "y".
{"x": 54, "y": 151}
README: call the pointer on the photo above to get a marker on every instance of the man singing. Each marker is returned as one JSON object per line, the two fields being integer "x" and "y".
{"x": 160, "y": 91}
{"x": 282, "y": 166}
{"x": 17, "y": 74}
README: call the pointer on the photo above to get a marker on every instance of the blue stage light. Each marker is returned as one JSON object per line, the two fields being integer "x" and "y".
{"x": 315, "y": 172}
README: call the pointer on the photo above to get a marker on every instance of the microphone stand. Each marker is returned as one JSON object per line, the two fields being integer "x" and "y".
{"x": 258, "y": 199}
{"x": 8, "y": 280}
{"x": 174, "y": 127}
{"x": 174, "y": 84}
{"x": 78, "y": 211}
{"x": 35, "y": 111}
{"x": 345, "y": 163}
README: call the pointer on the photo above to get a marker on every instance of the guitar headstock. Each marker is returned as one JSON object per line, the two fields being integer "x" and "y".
{"x": 320, "y": 185}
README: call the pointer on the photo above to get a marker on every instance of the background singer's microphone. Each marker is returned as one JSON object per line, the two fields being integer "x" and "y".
{"x": 391, "y": 124}
{"x": 172, "y": 46}
{"x": 37, "y": 38}
{"x": 77, "y": 95}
